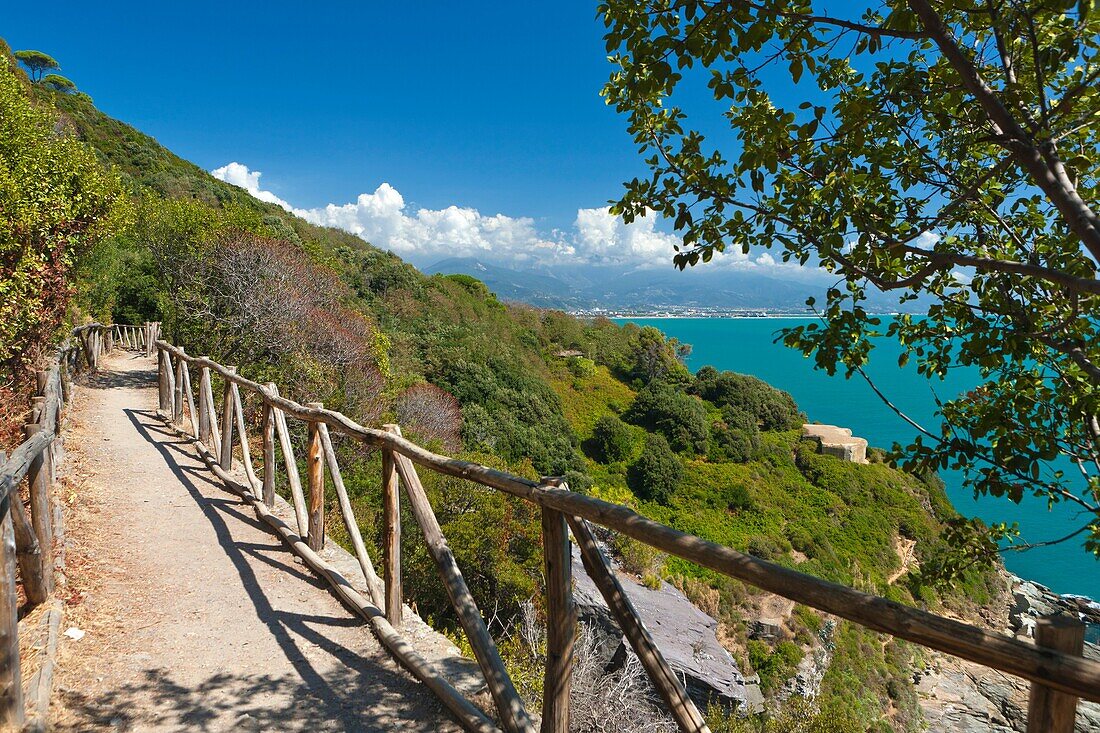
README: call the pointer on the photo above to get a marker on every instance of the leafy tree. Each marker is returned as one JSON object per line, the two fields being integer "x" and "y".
{"x": 612, "y": 439}
{"x": 679, "y": 417}
{"x": 657, "y": 472}
{"x": 655, "y": 356}
{"x": 37, "y": 63}
{"x": 56, "y": 202}
{"x": 59, "y": 83}
{"x": 945, "y": 150}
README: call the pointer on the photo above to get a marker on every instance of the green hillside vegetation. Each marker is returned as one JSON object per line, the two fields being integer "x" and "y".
{"x": 329, "y": 317}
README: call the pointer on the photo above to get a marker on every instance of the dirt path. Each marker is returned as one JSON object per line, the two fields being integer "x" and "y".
{"x": 195, "y": 617}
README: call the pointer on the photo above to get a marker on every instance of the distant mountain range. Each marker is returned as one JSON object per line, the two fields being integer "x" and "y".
{"x": 587, "y": 287}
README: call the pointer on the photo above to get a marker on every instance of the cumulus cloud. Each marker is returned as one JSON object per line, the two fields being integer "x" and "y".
{"x": 239, "y": 175}
{"x": 427, "y": 235}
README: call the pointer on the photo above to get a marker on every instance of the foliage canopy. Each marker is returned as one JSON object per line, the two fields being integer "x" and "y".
{"x": 37, "y": 62}
{"x": 940, "y": 149}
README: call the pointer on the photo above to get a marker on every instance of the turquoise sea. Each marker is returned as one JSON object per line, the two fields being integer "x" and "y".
{"x": 745, "y": 345}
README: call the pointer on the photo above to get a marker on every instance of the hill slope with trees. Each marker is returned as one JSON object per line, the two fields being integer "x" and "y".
{"x": 611, "y": 408}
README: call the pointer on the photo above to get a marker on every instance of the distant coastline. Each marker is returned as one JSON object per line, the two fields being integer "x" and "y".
{"x": 694, "y": 314}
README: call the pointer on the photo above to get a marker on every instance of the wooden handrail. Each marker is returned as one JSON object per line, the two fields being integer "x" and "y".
{"x": 1056, "y": 670}
{"x": 29, "y": 543}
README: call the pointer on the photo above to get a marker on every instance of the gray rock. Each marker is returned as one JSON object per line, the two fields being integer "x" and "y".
{"x": 685, "y": 635}
{"x": 961, "y": 696}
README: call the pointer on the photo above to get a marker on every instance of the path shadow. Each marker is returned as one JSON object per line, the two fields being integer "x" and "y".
{"x": 110, "y": 379}
{"x": 364, "y": 694}
{"x": 228, "y": 702}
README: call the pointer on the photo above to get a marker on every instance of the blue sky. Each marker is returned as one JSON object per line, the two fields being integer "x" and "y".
{"x": 433, "y": 129}
{"x": 493, "y": 107}
{"x": 477, "y": 104}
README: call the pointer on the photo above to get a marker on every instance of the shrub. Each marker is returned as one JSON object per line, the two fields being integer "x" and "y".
{"x": 774, "y": 666}
{"x": 657, "y": 472}
{"x": 737, "y": 445}
{"x": 736, "y": 497}
{"x": 56, "y": 201}
{"x": 612, "y": 439}
{"x": 676, "y": 415}
{"x": 431, "y": 413}
{"x": 581, "y": 368}
{"x": 772, "y": 408}
{"x": 580, "y": 482}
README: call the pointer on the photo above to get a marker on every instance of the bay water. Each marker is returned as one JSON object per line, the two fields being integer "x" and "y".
{"x": 747, "y": 345}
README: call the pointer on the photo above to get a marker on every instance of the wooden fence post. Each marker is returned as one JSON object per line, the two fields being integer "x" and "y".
{"x": 66, "y": 385}
{"x": 561, "y": 622}
{"x": 207, "y": 434}
{"x": 509, "y": 705}
{"x": 225, "y": 455}
{"x": 177, "y": 393}
{"x": 11, "y": 685}
{"x": 162, "y": 382}
{"x": 269, "y": 453}
{"x": 32, "y": 564}
{"x": 38, "y": 478}
{"x": 347, "y": 512}
{"x": 188, "y": 395}
{"x": 242, "y": 438}
{"x": 391, "y": 534}
{"x": 315, "y": 471}
{"x": 150, "y": 338}
{"x": 301, "y": 514}
{"x": 1049, "y": 711}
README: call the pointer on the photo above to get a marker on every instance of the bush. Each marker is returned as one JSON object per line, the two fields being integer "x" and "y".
{"x": 657, "y": 472}
{"x": 581, "y": 368}
{"x": 774, "y": 667}
{"x": 676, "y": 415}
{"x": 737, "y": 497}
{"x": 735, "y": 445}
{"x": 580, "y": 482}
{"x": 772, "y": 408}
{"x": 612, "y": 440}
{"x": 56, "y": 201}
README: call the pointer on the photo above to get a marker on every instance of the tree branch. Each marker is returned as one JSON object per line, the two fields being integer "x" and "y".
{"x": 1081, "y": 220}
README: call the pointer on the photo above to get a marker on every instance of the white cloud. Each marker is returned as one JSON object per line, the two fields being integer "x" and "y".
{"x": 428, "y": 235}
{"x": 605, "y": 238}
{"x": 239, "y": 175}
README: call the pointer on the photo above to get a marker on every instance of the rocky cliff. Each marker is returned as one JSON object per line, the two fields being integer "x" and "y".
{"x": 961, "y": 697}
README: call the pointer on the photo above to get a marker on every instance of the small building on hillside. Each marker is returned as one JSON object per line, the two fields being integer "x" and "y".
{"x": 836, "y": 441}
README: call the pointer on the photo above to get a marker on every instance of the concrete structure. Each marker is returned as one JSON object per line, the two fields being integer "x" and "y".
{"x": 839, "y": 442}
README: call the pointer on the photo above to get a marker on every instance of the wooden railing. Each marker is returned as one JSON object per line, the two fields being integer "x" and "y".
{"x": 29, "y": 544}
{"x": 1059, "y": 675}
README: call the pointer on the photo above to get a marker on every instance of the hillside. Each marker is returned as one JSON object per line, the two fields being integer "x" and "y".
{"x": 611, "y": 408}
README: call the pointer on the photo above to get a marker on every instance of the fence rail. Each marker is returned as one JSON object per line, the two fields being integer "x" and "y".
{"x": 29, "y": 543}
{"x": 1059, "y": 675}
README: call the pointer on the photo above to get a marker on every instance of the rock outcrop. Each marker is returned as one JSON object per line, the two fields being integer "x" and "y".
{"x": 685, "y": 635}
{"x": 837, "y": 441}
{"x": 960, "y": 696}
